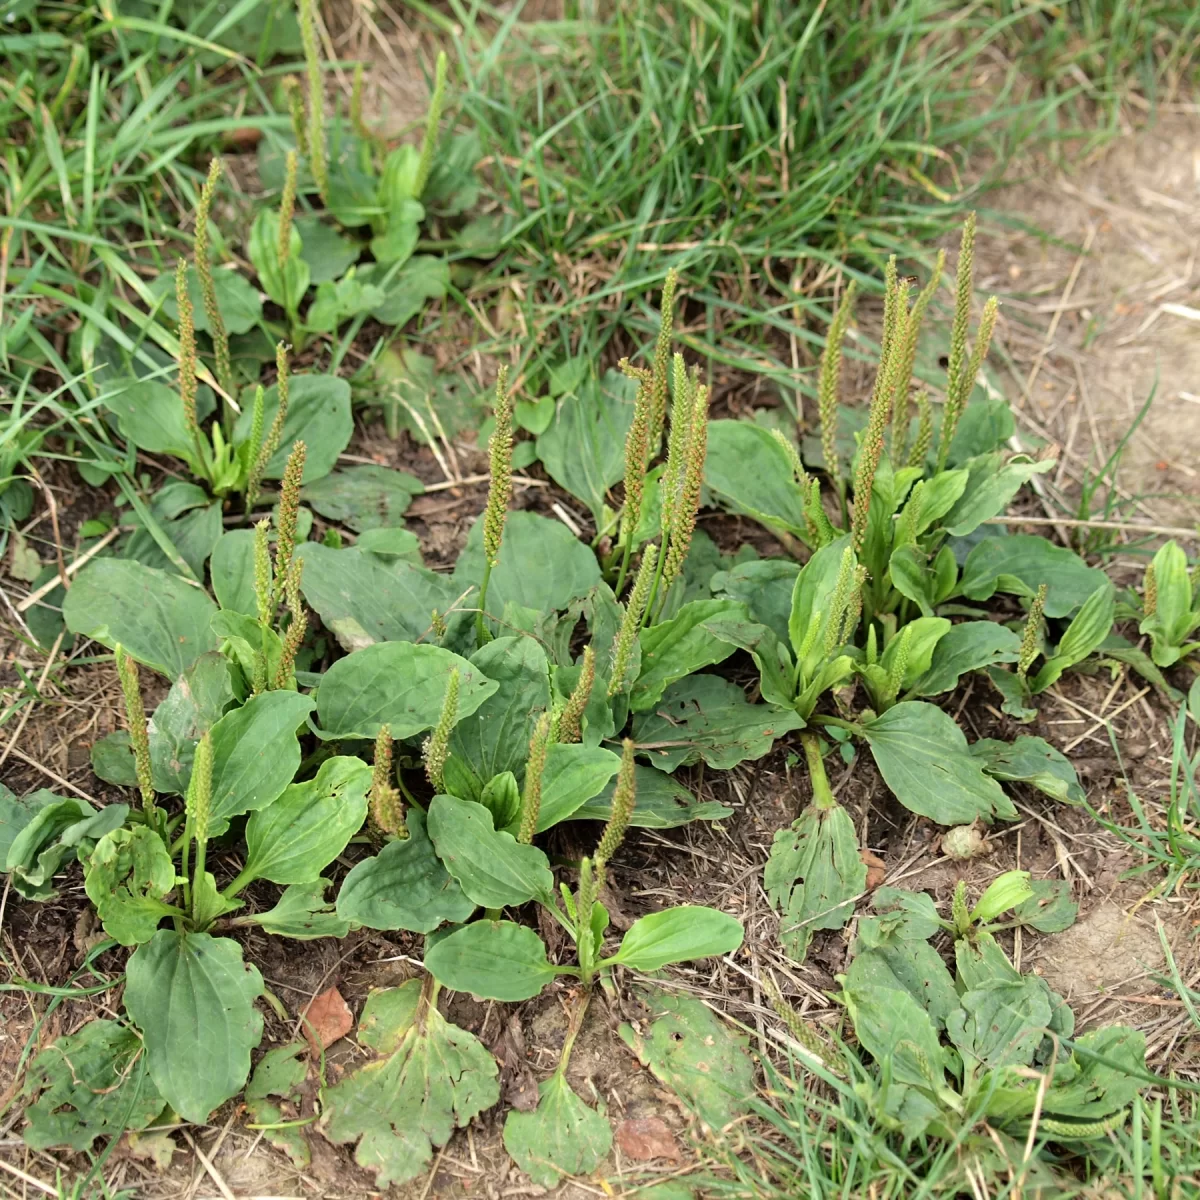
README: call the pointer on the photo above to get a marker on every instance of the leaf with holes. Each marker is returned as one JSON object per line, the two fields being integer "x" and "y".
{"x": 430, "y": 1077}
{"x": 87, "y": 1085}
{"x": 278, "y": 1080}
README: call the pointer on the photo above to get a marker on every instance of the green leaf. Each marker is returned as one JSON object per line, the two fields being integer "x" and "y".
{"x": 160, "y": 619}
{"x": 936, "y": 498}
{"x": 913, "y": 577}
{"x": 562, "y": 1136}
{"x": 430, "y": 1077}
{"x": 302, "y": 913}
{"x": 195, "y": 535}
{"x": 765, "y": 587}
{"x": 87, "y": 1085}
{"x": 363, "y": 597}
{"x": 905, "y": 964}
{"x": 748, "y": 472}
{"x": 395, "y": 684}
{"x": 990, "y": 488}
{"x": 543, "y": 565}
{"x": 1006, "y": 891}
{"x": 339, "y": 300}
{"x": 1050, "y": 909}
{"x": 150, "y": 415}
{"x": 492, "y": 867}
{"x": 127, "y": 877}
{"x": 1034, "y": 761}
{"x": 681, "y": 934}
{"x": 193, "y": 997}
{"x": 232, "y": 568}
{"x": 680, "y": 647}
{"x": 196, "y": 702}
{"x": 813, "y": 876}
{"x": 690, "y": 1051}
{"x": 237, "y": 298}
{"x": 583, "y": 450}
{"x": 255, "y": 753}
{"x": 1019, "y": 562}
{"x": 16, "y": 813}
{"x": 363, "y": 497}
{"x": 391, "y": 544}
{"x": 969, "y": 646}
{"x": 494, "y": 960}
{"x": 574, "y": 774}
{"x": 924, "y": 758}
{"x": 1091, "y": 625}
{"x": 285, "y": 282}
{"x": 280, "y": 1072}
{"x": 424, "y": 277}
{"x": 405, "y": 886}
{"x": 707, "y": 717}
{"x": 57, "y": 832}
{"x": 244, "y": 642}
{"x": 318, "y": 414}
{"x": 662, "y": 803}
{"x": 1001, "y": 1024}
{"x": 898, "y": 1034}
{"x": 327, "y": 252}
{"x": 1014, "y": 693}
{"x": 495, "y": 737}
{"x": 298, "y": 835}
{"x": 812, "y": 600}
{"x": 923, "y": 635}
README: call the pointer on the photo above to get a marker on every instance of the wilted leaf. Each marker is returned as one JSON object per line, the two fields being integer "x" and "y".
{"x": 813, "y": 875}
{"x": 127, "y": 877}
{"x": 87, "y": 1085}
{"x": 57, "y": 831}
{"x": 430, "y": 1077}
{"x": 644, "y": 1138}
{"x": 691, "y": 1052}
{"x": 280, "y": 1072}
{"x": 563, "y": 1136}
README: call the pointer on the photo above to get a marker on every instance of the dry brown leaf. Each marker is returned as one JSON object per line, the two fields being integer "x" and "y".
{"x": 326, "y": 1019}
{"x": 644, "y": 1138}
{"x": 876, "y": 869}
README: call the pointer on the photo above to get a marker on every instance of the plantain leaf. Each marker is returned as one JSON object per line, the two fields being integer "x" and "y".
{"x": 680, "y": 647}
{"x": 690, "y": 1051}
{"x": 680, "y": 934}
{"x": 574, "y": 774}
{"x": 813, "y": 876}
{"x": 232, "y": 568}
{"x": 493, "y": 868}
{"x": 1019, "y": 562}
{"x": 924, "y": 758}
{"x": 662, "y": 803}
{"x": 363, "y": 497}
{"x": 562, "y": 1136}
{"x": 396, "y": 684}
{"x": 430, "y": 1077}
{"x": 87, "y": 1085}
{"x": 196, "y": 702}
{"x": 298, "y": 835}
{"x": 767, "y": 491}
{"x": 318, "y": 414}
{"x": 302, "y": 913}
{"x": 193, "y": 997}
{"x": 991, "y": 485}
{"x": 1050, "y": 909}
{"x": 404, "y": 886}
{"x": 970, "y": 646}
{"x": 707, "y": 717}
{"x": 160, "y": 619}
{"x": 494, "y": 960}
{"x": 1034, "y": 761}
{"x": 127, "y": 878}
{"x": 280, "y": 1072}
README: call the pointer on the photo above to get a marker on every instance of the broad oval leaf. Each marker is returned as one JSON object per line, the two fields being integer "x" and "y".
{"x": 298, "y": 835}
{"x": 764, "y": 586}
{"x": 396, "y": 684}
{"x": 543, "y": 565}
{"x": 318, "y": 414}
{"x": 574, "y": 774}
{"x": 583, "y": 449}
{"x": 433, "y": 1077}
{"x": 232, "y": 568}
{"x": 196, "y": 702}
{"x": 150, "y": 415}
{"x": 127, "y": 876}
{"x": 160, "y": 619}
{"x": 255, "y": 753}
{"x": 494, "y": 960}
{"x": 1019, "y": 562}
{"x": 989, "y": 489}
{"x": 364, "y": 496}
{"x": 495, "y": 737}
{"x": 678, "y": 935}
{"x": 970, "y": 646}
{"x": 193, "y": 997}
{"x": 679, "y": 647}
{"x": 924, "y": 758}
{"x": 1034, "y": 761}
{"x": 404, "y": 886}
{"x": 749, "y": 472}
{"x": 661, "y": 803}
{"x": 363, "y": 597}
{"x": 492, "y": 867}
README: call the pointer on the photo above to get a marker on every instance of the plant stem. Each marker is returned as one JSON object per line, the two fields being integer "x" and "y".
{"x": 822, "y": 792}
{"x": 201, "y": 850}
{"x": 481, "y": 634}
{"x": 573, "y": 1031}
{"x": 183, "y": 864}
{"x": 625, "y": 556}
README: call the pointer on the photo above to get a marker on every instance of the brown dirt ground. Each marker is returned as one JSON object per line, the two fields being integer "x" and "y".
{"x": 1085, "y": 336}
